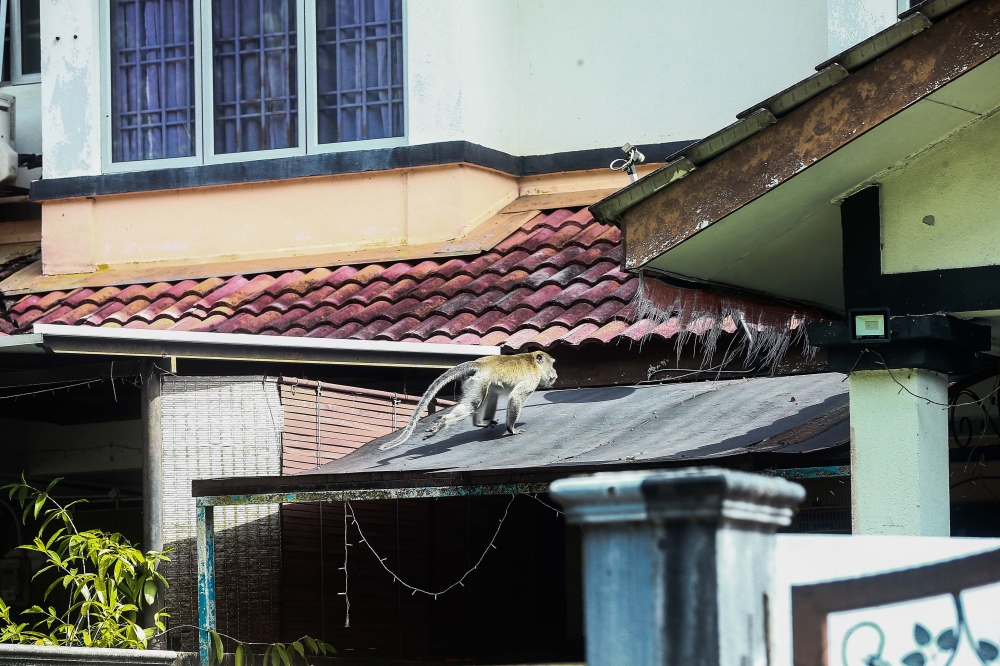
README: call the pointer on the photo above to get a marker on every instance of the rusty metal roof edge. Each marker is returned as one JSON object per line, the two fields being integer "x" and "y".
{"x": 879, "y": 44}
{"x": 609, "y": 209}
{"x": 799, "y": 93}
{"x": 425, "y": 480}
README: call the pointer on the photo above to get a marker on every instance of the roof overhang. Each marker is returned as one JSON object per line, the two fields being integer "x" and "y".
{"x": 48, "y": 338}
{"x": 763, "y": 215}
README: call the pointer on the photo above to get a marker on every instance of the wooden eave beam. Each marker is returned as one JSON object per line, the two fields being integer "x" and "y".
{"x": 815, "y": 130}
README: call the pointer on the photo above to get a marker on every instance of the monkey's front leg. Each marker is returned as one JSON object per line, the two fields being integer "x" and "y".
{"x": 518, "y": 395}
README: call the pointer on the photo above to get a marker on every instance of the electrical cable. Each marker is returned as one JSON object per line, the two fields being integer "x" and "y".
{"x": 919, "y": 397}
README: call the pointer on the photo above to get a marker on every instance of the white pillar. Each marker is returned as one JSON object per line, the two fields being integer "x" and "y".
{"x": 899, "y": 453}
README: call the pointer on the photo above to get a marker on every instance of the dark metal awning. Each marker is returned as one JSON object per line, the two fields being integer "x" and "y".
{"x": 576, "y": 431}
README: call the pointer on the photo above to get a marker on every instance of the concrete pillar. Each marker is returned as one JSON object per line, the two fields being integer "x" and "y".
{"x": 152, "y": 468}
{"x": 677, "y": 564}
{"x": 899, "y": 453}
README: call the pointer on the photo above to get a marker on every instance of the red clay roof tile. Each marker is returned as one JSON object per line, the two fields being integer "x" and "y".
{"x": 509, "y": 260}
{"x": 467, "y": 339}
{"x": 573, "y": 316}
{"x": 494, "y": 339}
{"x": 512, "y": 322}
{"x": 428, "y": 327}
{"x": 398, "y": 330}
{"x": 483, "y": 324}
{"x": 426, "y": 288}
{"x": 554, "y": 281}
{"x": 542, "y": 319}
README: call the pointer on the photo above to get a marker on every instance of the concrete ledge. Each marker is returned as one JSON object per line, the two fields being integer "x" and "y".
{"x": 43, "y": 655}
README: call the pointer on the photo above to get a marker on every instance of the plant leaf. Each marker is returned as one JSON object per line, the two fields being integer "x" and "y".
{"x": 297, "y": 646}
{"x": 149, "y": 592}
{"x": 921, "y": 635}
{"x": 915, "y": 659}
{"x": 39, "y": 503}
{"x": 239, "y": 655}
{"x": 283, "y": 653}
{"x": 947, "y": 640}
{"x": 217, "y": 651}
{"x": 312, "y": 644}
{"x": 987, "y": 651}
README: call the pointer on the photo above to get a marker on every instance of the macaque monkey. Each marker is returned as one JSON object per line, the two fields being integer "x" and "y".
{"x": 515, "y": 376}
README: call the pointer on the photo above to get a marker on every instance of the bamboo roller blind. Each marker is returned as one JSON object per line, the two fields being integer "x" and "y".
{"x": 323, "y": 422}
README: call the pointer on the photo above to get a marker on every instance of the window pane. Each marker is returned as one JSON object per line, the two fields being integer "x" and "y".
{"x": 359, "y": 69}
{"x": 254, "y": 71}
{"x": 152, "y": 81}
{"x": 31, "y": 39}
{"x": 5, "y": 74}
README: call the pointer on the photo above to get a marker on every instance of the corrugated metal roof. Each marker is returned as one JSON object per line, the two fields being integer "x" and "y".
{"x": 640, "y": 424}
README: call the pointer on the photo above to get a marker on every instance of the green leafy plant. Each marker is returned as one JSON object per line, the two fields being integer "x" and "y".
{"x": 275, "y": 654}
{"x": 108, "y": 581}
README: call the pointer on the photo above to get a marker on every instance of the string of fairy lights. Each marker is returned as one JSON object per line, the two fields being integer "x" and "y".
{"x": 349, "y": 510}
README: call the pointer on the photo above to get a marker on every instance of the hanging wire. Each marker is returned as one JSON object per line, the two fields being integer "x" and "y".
{"x": 322, "y": 578}
{"x": 347, "y": 599}
{"x": 920, "y": 397}
{"x": 535, "y": 497}
{"x": 395, "y": 577}
{"x": 53, "y": 390}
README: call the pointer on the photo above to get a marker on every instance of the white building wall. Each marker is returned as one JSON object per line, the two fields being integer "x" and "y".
{"x": 70, "y": 90}
{"x": 528, "y": 77}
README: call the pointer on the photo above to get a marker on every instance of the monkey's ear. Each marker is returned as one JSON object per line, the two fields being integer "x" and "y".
{"x": 538, "y": 358}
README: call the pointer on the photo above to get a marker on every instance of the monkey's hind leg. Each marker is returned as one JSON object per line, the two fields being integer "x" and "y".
{"x": 518, "y": 395}
{"x": 486, "y": 413}
{"x": 473, "y": 395}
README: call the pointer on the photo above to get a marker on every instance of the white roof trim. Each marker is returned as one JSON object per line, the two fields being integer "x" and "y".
{"x": 238, "y": 346}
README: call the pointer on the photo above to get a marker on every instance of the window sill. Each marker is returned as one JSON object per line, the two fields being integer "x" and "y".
{"x": 332, "y": 163}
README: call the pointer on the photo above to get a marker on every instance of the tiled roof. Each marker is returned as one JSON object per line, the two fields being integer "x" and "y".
{"x": 554, "y": 281}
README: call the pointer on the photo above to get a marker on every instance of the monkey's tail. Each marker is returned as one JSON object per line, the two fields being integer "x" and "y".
{"x": 460, "y": 371}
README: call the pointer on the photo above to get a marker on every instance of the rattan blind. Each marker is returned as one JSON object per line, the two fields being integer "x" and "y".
{"x": 323, "y": 422}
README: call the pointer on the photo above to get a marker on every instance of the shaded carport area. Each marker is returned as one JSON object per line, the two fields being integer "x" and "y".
{"x": 448, "y": 548}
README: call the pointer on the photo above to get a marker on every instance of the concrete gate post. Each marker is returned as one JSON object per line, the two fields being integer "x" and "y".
{"x": 677, "y": 564}
{"x": 899, "y": 453}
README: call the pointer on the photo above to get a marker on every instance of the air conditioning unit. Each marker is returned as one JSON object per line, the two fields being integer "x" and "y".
{"x": 8, "y": 155}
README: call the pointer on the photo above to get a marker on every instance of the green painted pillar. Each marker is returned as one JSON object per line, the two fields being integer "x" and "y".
{"x": 899, "y": 452}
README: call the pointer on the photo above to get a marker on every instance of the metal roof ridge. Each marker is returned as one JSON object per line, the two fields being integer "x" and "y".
{"x": 878, "y": 44}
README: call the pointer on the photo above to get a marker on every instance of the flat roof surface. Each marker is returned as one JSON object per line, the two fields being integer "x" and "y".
{"x": 621, "y": 424}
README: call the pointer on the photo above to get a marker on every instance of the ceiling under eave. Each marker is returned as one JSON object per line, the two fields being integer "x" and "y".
{"x": 788, "y": 242}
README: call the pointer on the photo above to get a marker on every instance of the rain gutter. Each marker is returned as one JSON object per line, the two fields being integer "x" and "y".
{"x": 50, "y": 338}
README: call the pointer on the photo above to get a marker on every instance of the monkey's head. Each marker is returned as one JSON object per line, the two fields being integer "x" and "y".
{"x": 545, "y": 366}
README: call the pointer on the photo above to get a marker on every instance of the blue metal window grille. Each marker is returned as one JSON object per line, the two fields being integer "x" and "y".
{"x": 254, "y": 63}
{"x": 359, "y": 69}
{"x": 152, "y": 81}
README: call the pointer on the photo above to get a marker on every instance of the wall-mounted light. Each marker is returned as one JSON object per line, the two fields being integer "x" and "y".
{"x": 869, "y": 325}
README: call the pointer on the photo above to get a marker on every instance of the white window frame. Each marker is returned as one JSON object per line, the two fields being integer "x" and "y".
{"x": 107, "y": 133}
{"x": 308, "y": 115}
{"x": 16, "y": 77}
{"x": 312, "y": 117}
